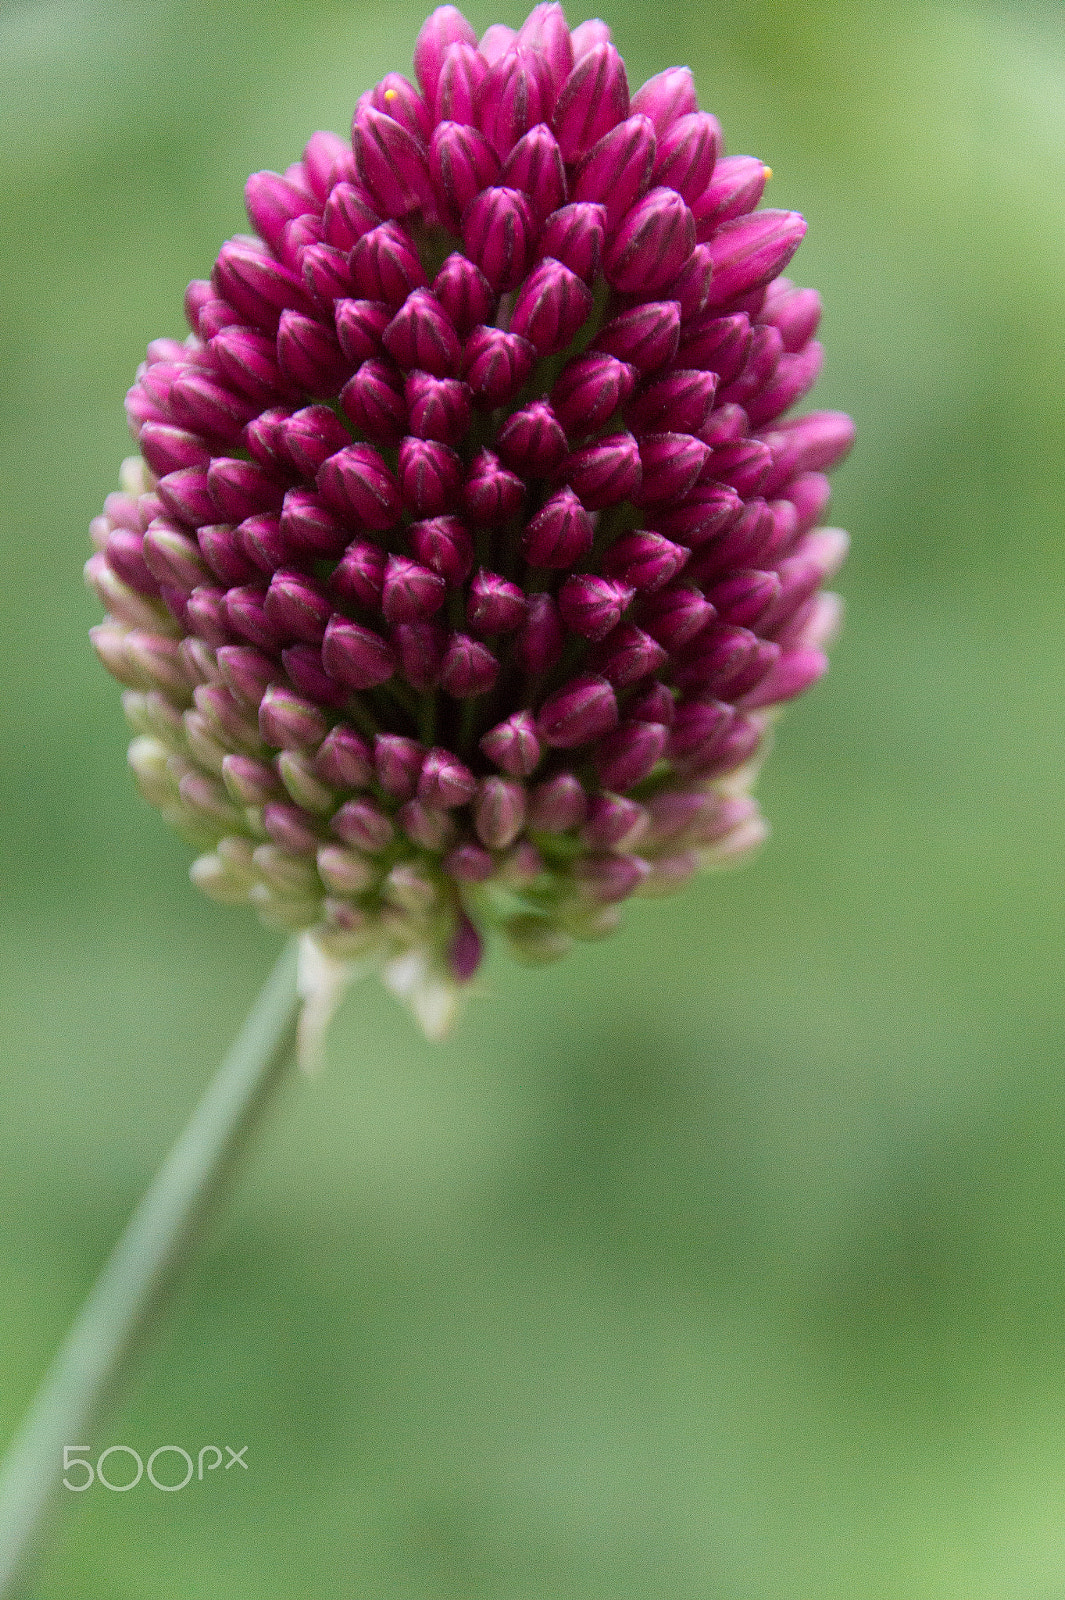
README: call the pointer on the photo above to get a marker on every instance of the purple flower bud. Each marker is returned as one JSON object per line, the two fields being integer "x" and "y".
{"x": 168, "y": 449}
{"x": 250, "y": 782}
{"x": 674, "y": 615}
{"x": 671, "y": 464}
{"x": 390, "y": 161}
{"x": 290, "y": 827}
{"x": 172, "y": 556}
{"x": 666, "y": 96}
{"x": 767, "y": 347}
{"x": 421, "y": 336}
{"x": 589, "y": 390}
{"x": 363, "y": 825}
{"x": 239, "y": 489}
{"x": 439, "y": 408}
{"x": 323, "y": 156}
{"x": 245, "y": 613}
{"x": 125, "y": 557}
{"x": 496, "y": 365}
{"x": 469, "y": 667}
{"x": 412, "y": 593}
{"x": 699, "y": 726}
{"x": 646, "y": 336}
{"x": 652, "y": 243}
{"x": 355, "y": 482}
{"x": 247, "y": 360}
{"x": 468, "y": 863}
{"x": 796, "y": 313}
{"x": 445, "y": 26}
{"x": 426, "y": 825}
{"x": 464, "y": 292}
{"x": 535, "y": 167}
{"x": 498, "y": 233}
{"x": 246, "y": 672}
{"x": 734, "y": 190}
{"x": 343, "y": 759}
{"x": 613, "y": 822}
{"x": 682, "y": 400}
{"x": 461, "y": 164}
{"x": 374, "y": 401}
{"x": 592, "y": 101}
{"x": 445, "y": 781}
{"x": 574, "y": 235}
{"x": 735, "y": 745}
{"x": 257, "y": 286}
{"x": 539, "y": 644}
{"x": 645, "y": 560}
{"x": 297, "y": 606}
{"x": 626, "y": 655}
{"x": 532, "y": 441}
{"x": 793, "y": 377}
{"x": 187, "y": 497}
{"x": 746, "y": 465}
{"x": 308, "y": 524}
{"x": 586, "y": 35}
{"x": 495, "y": 605}
{"x": 499, "y": 812}
{"x": 717, "y": 344}
{"x": 491, "y": 495}
{"x": 592, "y": 606}
{"x": 430, "y": 476}
{"x": 309, "y": 355}
{"x": 310, "y": 436}
{"x": 263, "y": 441}
{"x": 726, "y": 425}
{"x": 202, "y": 406}
{"x": 809, "y": 492}
{"x": 349, "y": 214}
{"x": 306, "y": 668}
{"x": 466, "y": 950}
{"x": 706, "y": 512}
{"x": 560, "y": 534}
{"x": 513, "y": 745}
{"x": 397, "y": 762}
{"x": 691, "y": 287}
{"x": 343, "y": 871}
{"x": 544, "y": 30}
{"x": 606, "y": 472}
{"x": 746, "y": 541}
{"x": 359, "y": 325}
{"x": 750, "y": 250}
{"x": 515, "y": 94}
{"x": 288, "y": 721}
{"x": 461, "y": 75}
{"x": 356, "y": 656}
{"x": 716, "y": 659}
{"x": 272, "y": 202}
{"x": 385, "y": 265}
{"x": 420, "y": 648}
{"x": 687, "y": 152}
{"x": 444, "y": 545}
{"x": 617, "y": 170}
{"x": 558, "y": 805}
{"x": 582, "y": 710}
{"x": 610, "y": 878}
{"x": 793, "y": 672}
{"x": 809, "y": 444}
{"x": 552, "y": 304}
{"x": 397, "y": 97}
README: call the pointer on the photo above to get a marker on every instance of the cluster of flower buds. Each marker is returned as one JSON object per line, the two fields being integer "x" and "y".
{"x": 469, "y": 547}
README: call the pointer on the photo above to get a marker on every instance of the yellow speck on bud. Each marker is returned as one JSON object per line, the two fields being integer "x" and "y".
{"x": 768, "y": 172}
{"x": 391, "y": 94}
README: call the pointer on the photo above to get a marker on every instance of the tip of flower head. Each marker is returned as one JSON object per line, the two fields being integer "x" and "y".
{"x": 473, "y": 528}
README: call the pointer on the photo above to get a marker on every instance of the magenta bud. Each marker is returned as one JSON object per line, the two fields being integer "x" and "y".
{"x": 745, "y": 543}
{"x": 628, "y": 654}
{"x": 593, "y": 606}
{"x": 682, "y": 401}
{"x": 670, "y": 466}
{"x": 430, "y": 476}
{"x": 324, "y": 156}
{"x": 560, "y": 534}
{"x": 250, "y": 782}
{"x": 552, "y": 304}
{"x": 535, "y": 167}
{"x": 610, "y": 878}
{"x": 726, "y": 425}
{"x": 499, "y": 232}
{"x": 709, "y": 510}
{"x": 653, "y": 704}
{"x": 309, "y": 355}
{"x": 255, "y": 285}
{"x": 644, "y": 560}
{"x": 614, "y": 822}
{"x": 589, "y": 390}
{"x": 464, "y": 292}
{"x": 355, "y": 482}
{"x": 125, "y": 557}
{"x": 240, "y": 489}
{"x": 794, "y": 377}
{"x": 343, "y": 759}
{"x": 305, "y": 667}
{"x": 606, "y": 472}
{"x": 699, "y": 727}
{"x": 497, "y": 364}
{"x": 539, "y": 644}
{"x": 397, "y": 97}
{"x": 592, "y": 101}
{"x": 499, "y": 812}
{"x": 421, "y": 336}
{"x": 675, "y": 615}
{"x": 263, "y": 441}
{"x": 667, "y": 96}
{"x": 359, "y": 325}
{"x": 356, "y": 656}
{"x": 791, "y": 673}
{"x": 246, "y": 672}
{"x": 795, "y": 312}
{"x": 426, "y": 825}
{"x": 515, "y": 94}
{"x": 582, "y": 710}
{"x": 586, "y": 35}
{"x": 412, "y": 593}
{"x": 297, "y": 606}
{"x": 439, "y": 408}
{"x": 750, "y": 250}
{"x": 168, "y": 449}
{"x": 513, "y": 745}
{"x": 629, "y": 755}
{"x": 363, "y": 825}
{"x": 717, "y": 344}
{"x": 558, "y": 805}
{"x": 715, "y": 660}
{"x": 746, "y": 465}
{"x": 445, "y": 26}
{"x": 491, "y": 495}
{"x": 444, "y": 545}
{"x": 349, "y": 214}
{"x": 247, "y": 360}
{"x": 617, "y": 170}
{"x": 574, "y": 235}
{"x": 171, "y": 555}
{"x": 532, "y": 441}
{"x": 243, "y": 610}
{"x": 308, "y": 524}
{"x": 374, "y": 401}
{"x": 687, "y": 151}
{"x": 397, "y": 763}
{"x": 468, "y": 863}
{"x": 814, "y": 443}
{"x": 324, "y": 270}
{"x": 310, "y": 436}
{"x": 198, "y": 294}
{"x": 645, "y": 336}
{"x": 767, "y": 347}
{"x": 496, "y": 41}
{"x": 809, "y": 493}
{"x": 290, "y": 827}
{"x": 385, "y": 265}
{"x": 461, "y": 75}
{"x": 469, "y": 667}
{"x": 494, "y": 606}
{"x": 390, "y": 161}
{"x": 203, "y": 406}
{"x": 204, "y": 613}
{"x": 273, "y": 202}
{"x": 288, "y": 721}
{"x": 466, "y": 950}
{"x": 735, "y": 745}
{"x": 544, "y": 31}
{"x": 461, "y": 164}
{"x": 445, "y": 781}
{"x": 420, "y": 648}
{"x": 653, "y": 242}
{"x": 734, "y": 189}
{"x": 691, "y": 287}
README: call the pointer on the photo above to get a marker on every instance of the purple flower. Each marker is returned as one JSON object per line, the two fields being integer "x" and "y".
{"x": 472, "y": 544}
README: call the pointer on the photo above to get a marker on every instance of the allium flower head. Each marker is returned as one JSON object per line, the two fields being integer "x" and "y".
{"x": 470, "y": 547}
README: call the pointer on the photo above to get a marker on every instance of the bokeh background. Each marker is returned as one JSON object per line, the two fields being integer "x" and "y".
{"x": 726, "y": 1260}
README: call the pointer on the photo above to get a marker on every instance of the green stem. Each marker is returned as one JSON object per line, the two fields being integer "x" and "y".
{"x": 134, "y": 1283}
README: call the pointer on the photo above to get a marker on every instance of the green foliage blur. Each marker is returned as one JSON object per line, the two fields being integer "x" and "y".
{"x": 723, "y": 1261}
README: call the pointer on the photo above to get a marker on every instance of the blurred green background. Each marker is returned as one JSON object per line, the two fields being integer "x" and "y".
{"x": 725, "y": 1260}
